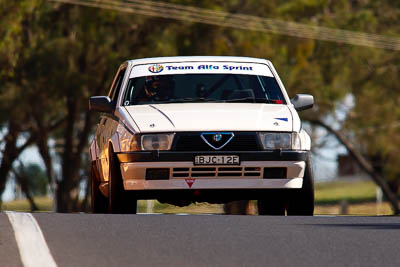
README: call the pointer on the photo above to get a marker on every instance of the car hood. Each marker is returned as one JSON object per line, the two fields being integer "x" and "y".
{"x": 211, "y": 117}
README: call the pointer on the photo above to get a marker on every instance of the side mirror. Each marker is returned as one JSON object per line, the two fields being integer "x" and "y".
{"x": 302, "y": 101}
{"x": 101, "y": 104}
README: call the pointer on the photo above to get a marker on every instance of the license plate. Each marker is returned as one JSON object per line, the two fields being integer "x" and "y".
{"x": 216, "y": 160}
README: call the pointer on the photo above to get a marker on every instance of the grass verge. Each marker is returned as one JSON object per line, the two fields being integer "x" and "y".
{"x": 44, "y": 204}
{"x": 329, "y": 193}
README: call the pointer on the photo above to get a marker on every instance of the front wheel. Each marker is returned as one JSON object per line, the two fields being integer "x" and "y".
{"x": 272, "y": 203}
{"x": 99, "y": 202}
{"x": 301, "y": 201}
{"x": 119, "y": 200}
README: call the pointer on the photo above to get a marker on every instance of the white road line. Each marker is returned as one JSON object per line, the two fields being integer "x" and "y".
{"x": 32, "y": 246}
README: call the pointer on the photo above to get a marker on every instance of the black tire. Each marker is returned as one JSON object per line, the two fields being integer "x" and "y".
{"x": 99, "y": 202}
{"x": 119, "y": 200}
{"x": 272, "y": 204}
{"x": 301, "y": 201}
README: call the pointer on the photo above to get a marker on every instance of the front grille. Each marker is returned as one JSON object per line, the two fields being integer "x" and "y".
{"x": 275, "y": 173}
{"x": 193, "y": 142}
{"x": 214, "y": 172}
{"x": 157, "y": 174}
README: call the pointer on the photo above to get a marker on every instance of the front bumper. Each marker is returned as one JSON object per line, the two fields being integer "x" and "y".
{"x": 183, "y": 174}
{"x": 219, "y": 183}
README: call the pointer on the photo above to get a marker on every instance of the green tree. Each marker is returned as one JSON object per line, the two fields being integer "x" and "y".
{"x": 15, "y": 109}
{"x": 60, "y": 55}
{"x": 32, "y": 180}
{"x": 34, "y": 177}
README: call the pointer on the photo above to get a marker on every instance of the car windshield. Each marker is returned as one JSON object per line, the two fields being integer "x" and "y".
{"x": 186, "y": 88}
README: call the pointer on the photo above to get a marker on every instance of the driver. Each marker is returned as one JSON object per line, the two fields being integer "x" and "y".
{"x": 158, "y": 88}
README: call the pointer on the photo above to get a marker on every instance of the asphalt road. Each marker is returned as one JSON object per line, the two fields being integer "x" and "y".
{"x": 211, "y": 240}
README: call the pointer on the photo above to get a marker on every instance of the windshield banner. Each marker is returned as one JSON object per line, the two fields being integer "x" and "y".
{"x": 200, "y": 68}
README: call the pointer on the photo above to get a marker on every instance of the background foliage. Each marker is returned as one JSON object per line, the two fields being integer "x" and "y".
{"x": 54, "y": 56}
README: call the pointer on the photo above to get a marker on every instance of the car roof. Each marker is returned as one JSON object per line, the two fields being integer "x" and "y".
{"x": 197, "y": 59}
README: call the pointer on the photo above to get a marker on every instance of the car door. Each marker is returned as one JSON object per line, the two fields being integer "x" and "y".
{"x": 108, "y": 125}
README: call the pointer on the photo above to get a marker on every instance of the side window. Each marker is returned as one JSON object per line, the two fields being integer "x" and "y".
{"x": 117, "y": 85}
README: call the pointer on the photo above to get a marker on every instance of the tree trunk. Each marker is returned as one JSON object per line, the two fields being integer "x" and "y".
{"x": 85, "y": 203}
{"x": 365, "y": 165}
{"x": 62, "y": 199}
{"x": 10, "y": 154}
{"x": 75, "y": 144}
{"x": 68, "y": 166}
{"x": 22, "y": 181}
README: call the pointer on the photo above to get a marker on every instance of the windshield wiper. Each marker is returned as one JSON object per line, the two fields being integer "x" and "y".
{"x": 250, "y": 99}
{"x": 189, "y": 99}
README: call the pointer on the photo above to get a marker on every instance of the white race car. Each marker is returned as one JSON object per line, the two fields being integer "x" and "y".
{"x": 201, "y": 129}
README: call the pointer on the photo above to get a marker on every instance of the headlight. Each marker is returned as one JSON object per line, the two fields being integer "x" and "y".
{"x": 157, "y": 141}
{"x": 129, "y": 142}
{"x": 273, "y": 141}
